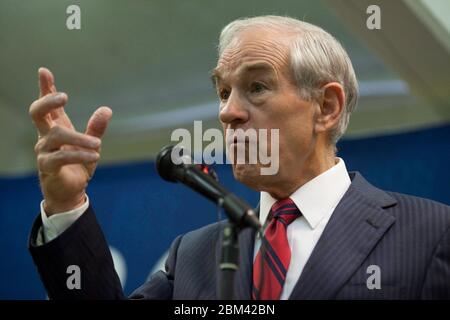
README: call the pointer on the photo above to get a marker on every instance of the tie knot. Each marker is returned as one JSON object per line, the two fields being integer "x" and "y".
{"x": 285, "y": 210}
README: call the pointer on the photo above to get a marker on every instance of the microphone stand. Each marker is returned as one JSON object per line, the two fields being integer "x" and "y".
{"x": 229, "y": 261}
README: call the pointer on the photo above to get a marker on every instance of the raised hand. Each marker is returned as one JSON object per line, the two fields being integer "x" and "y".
{"x": 66, "y": 159}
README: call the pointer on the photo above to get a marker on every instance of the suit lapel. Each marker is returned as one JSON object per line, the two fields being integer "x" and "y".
{"x": 355, "y": 227}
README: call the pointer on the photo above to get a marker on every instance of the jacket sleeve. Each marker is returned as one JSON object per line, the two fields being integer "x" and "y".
{"x": 437, "y": 279}
{"x": 84, "y": 246}
{"x": 80, "y": 252}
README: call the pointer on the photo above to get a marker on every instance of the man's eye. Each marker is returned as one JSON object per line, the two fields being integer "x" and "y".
{"x": 257, "y": 87}
{"x": 224, "y": 94}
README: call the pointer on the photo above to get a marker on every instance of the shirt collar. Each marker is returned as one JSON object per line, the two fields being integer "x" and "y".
{"x": 316, "y": 198}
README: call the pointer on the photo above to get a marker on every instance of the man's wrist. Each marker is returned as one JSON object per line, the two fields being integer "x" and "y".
{"x": 52, "y": 208}
{"x": 56, "y": 224}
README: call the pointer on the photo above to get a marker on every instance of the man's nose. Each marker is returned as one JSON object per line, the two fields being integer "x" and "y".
{"x": 233, "y": 111}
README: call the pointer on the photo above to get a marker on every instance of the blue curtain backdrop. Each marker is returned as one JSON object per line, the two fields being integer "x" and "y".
{"x": 141, "y": 215}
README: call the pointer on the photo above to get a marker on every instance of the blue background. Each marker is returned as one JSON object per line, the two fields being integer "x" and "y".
{"x": 141, "y": 215}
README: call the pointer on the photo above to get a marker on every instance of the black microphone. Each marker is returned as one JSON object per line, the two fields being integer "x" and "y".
{"x": 174, "y": 165}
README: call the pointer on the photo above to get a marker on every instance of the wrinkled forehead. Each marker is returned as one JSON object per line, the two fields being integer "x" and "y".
{"x": 255, "y": 45}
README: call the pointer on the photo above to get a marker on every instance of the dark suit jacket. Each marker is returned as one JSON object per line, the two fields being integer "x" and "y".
{"x": 407, "y": 237}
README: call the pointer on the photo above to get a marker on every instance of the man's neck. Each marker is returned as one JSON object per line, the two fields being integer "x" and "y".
{"x": 310, "y": 170}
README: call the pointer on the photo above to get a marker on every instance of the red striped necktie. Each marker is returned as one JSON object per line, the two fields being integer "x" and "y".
{"x": 276, "y": 254}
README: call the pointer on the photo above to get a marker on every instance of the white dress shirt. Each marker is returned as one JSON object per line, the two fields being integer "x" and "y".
{"x": 316, "y": 200}
{"x": 58, "y": 223}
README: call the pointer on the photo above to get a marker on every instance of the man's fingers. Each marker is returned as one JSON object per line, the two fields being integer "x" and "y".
{"x": 98, "y": 122}
{"x": 50, "y": 163}
{"x": 41, "y": 108}
{"x": 58, "y": 136}
{"x": 46, "y": 82}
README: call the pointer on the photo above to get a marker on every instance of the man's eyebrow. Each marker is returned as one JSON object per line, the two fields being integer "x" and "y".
{"x": 243, "y": 68}
{"x": 255, "y": 66}
{"x": 215, "y": 75}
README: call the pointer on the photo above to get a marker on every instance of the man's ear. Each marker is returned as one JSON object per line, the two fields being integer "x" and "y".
{"x": 331, "y": 106}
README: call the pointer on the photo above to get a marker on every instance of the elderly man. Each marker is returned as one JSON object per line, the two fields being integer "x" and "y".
{"x": 329, "y": 234}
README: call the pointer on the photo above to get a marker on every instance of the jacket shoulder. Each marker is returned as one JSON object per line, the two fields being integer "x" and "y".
{"x": 426, "y": 213}
{"x": 420, "y": 203}
{"x": 204, "y": 234}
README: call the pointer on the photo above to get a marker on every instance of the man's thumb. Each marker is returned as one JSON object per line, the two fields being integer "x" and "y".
{"x": 98, "y": 122}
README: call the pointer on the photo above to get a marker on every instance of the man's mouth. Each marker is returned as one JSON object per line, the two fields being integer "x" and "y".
{"x": 236, "y": 140}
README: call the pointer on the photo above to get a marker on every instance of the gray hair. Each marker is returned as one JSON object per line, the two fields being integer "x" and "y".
{"x": 316, "y": 58}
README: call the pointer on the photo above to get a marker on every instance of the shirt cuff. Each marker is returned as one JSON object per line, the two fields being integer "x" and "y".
{"x": 56, "y": 224}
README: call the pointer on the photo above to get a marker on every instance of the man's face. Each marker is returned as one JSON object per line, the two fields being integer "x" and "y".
{"x": 257, "y": 90}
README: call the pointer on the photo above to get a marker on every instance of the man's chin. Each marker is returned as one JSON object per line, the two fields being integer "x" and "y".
{"x": 248, "y": 174}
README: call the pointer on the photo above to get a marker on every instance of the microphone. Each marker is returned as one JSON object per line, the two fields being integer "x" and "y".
{"x": 174, "y": 165}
